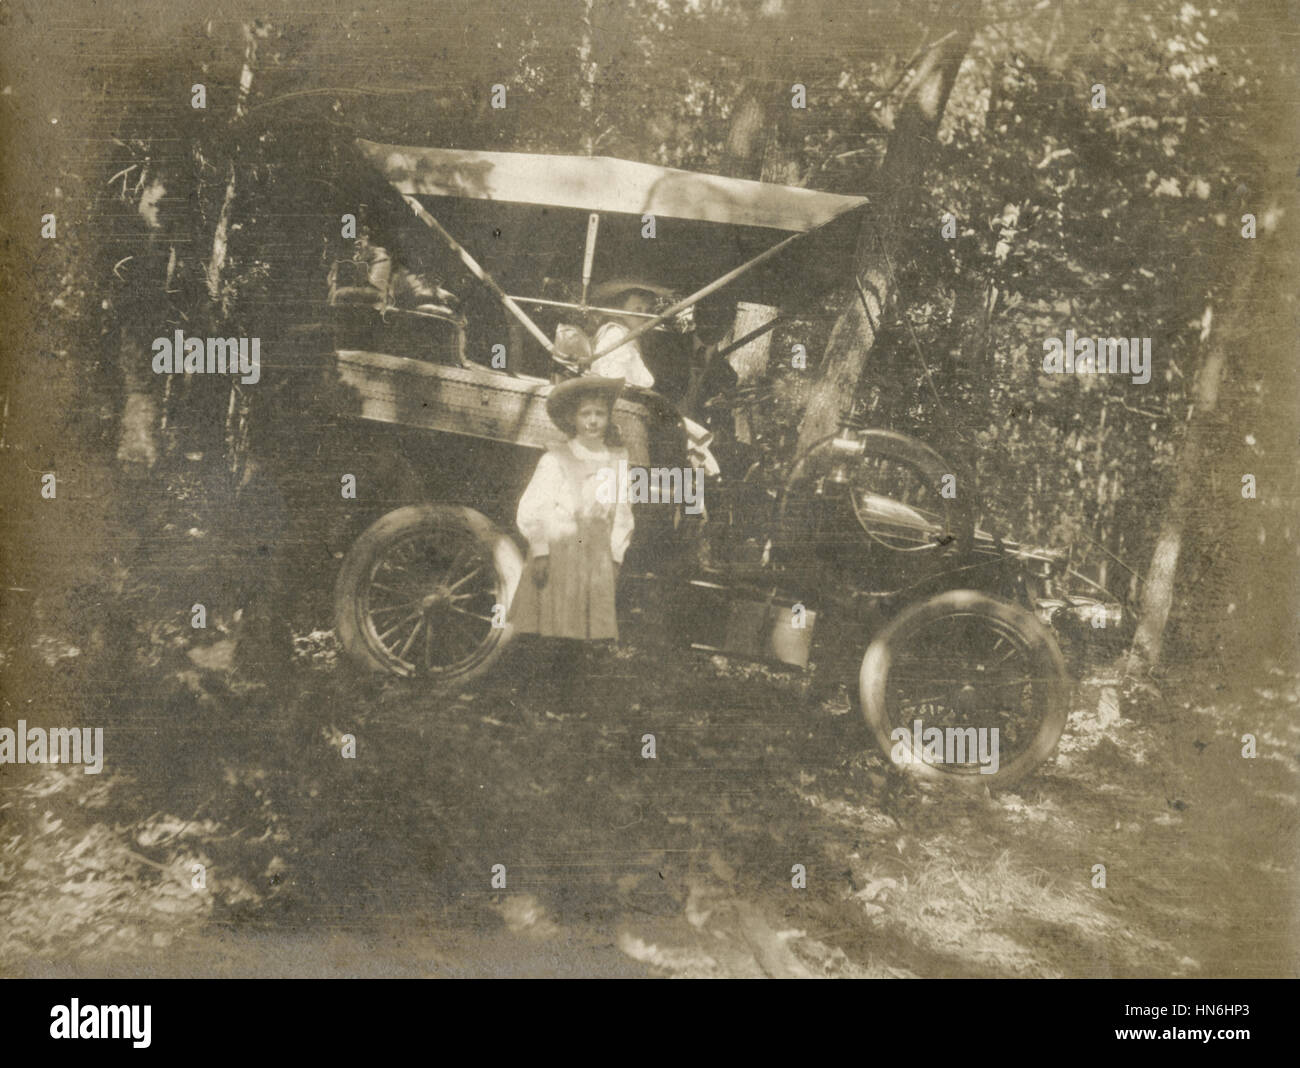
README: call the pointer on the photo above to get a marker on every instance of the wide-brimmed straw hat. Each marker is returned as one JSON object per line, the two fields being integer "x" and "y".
{"x": 616, "y": 287}
{"x": 563, "y": 400}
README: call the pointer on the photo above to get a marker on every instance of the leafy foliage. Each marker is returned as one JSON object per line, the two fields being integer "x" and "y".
{"x": 1121, "y": 220}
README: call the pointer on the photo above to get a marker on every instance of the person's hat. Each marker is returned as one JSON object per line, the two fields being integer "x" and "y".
{"x": 615, "y": 288}
{"x": 564, "y": 398}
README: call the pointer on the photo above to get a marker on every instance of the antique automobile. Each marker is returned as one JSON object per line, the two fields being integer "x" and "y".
{"x": 856, "y": 553}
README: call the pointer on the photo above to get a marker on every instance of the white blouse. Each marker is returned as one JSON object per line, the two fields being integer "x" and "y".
{"x": 625, "y": 361}
{"x": 548, "y": 511}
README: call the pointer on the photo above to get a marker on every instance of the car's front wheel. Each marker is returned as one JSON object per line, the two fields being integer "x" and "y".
{"x": 965, "y": 689}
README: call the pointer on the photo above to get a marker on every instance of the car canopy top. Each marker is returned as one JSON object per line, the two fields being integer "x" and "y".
{"x": 603, "y": 184}
{"x": 714, "y": 232}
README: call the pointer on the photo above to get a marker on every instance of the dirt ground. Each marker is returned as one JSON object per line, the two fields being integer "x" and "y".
{"x": 615, "y": 865}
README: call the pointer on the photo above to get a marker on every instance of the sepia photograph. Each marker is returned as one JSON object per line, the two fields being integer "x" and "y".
{"x": 650, "y": 489}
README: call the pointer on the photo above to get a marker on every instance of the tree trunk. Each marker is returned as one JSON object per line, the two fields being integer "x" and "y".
{"x": 910, "y": 147}
{"x": 754, "y": 149}
{"x": 138, "y": 428}
{"x": 1236, "y": 330}
{"x": 1158, "y": 592}
{"x": 203, "y": 404}
{"x": 754, "y": 116}
{"x": 750, "y": 361}
{"x": 742, "y": 154}
{"x": 587, "y": 81}
{"x": 221, "y": 233}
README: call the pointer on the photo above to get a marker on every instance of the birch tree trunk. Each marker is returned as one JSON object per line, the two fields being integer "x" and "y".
{"x": 587, "y": 85}
{"x": 221, "y": 232}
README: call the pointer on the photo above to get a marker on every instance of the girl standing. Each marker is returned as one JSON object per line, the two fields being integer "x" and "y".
{"x": 577, "y": 524}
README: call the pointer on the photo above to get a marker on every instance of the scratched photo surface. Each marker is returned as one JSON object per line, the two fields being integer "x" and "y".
{"x": 691, "y": 488}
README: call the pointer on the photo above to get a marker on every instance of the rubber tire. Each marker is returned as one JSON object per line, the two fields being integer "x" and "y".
{"x": 1043, "y": 650}
{"x": 350, "y": 627}
{"x": 891, "y": 445}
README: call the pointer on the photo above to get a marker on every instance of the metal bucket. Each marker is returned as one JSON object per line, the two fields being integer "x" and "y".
{"x": 776, "y": 629}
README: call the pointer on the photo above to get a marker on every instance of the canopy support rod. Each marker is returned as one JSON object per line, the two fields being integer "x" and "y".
{"x": 758, "y": 331}
{"x": 589, "y": 254}
{"x": 478, "y": 272}
{"x": 578, "y": 307}
{"x": 715, "y": 285}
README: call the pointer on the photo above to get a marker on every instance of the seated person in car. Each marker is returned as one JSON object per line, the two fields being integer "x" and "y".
{"x": 625, "y": 361}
